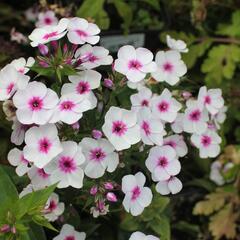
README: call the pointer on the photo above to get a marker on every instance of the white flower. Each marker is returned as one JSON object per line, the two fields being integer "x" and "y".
{"x": 165, "y": 107}
{"x": 177, "y": 142}
{"x": 18, "y": 133}
{"x": 70, "y": 108}
{"x": 177, "y": 124}
{"x": 80, "y": 31}
{"x": 16, "y": 158}
{"x": 82, "y": 84}
{"x": 142, "y": 236}
{"x": 100, "y": 156}
{"x": 137, "y": 197}
{"x": 170, "y": 67}
{"x": 211, "y": 99}
{"x": 172, "y": 185}
{"x": 68, "y": 233}
{"x": 47, "y": 18}
{"x": 220, "y": 117}
{"x": 134, "y": 63}
{"x": 177, "y": 45}
{"x": 121, "y": 128}
{"x": 90, "y": 57}
{"x": 21, "y": 65}
{"x": 66, "y": 169}
{"x": 48, "y": 33}
{"x": 42, "y": 144}
{"x": 151, "y": 128}
{"x": 162, "y": 162}
{"x": 10, "y": 81}
{"x": 142, "y": 99}
{"x": 207, "y": 143}
{"x": 39, "y": 178}
{"x": 28, "y": 189}
{"x": 35, "y": 103}
{"x": 53, "y": 208}
{"x": 195, "y": 118}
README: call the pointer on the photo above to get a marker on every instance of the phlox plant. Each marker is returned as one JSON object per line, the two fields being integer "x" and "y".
{"x": 77, "y": 115}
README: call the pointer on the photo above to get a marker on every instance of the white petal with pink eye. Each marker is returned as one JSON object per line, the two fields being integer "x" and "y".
{"x": 39, "y": 178}
{"x": 35, "y": 104}
{"x": 42, "y": 145}
{"x": 177, "y": 45}
{"x": 134, "y": 63}
{"x": 137, "y": 197}
{"x": 142, "y": 99}
{"x": 80, "y": 31}
{"x": 165, "y": 107}
{"x": 21, "y": 65}
{"x": 53, "y": 208}
{"x": 47, "y": 18}
{"x": 172, "y": 185}
{"x": 170, "y": 67}
{"x": 142, "y": 236}
{"x": 10, "y": 81}
{"x": 89, "y": 57}
{"x": 212, "y": 99}
{"x": 65, "y": 169}
{"x": 16, "y": 158}
{"x": 48, "y": 33}
{"x": 195, "y": 118}
{"x": 177, "y": 124}
{"x": 208, "y": 143}
{"x": 177, "y": 142}
{"x": 18, "y": 133}
{"x": 100, "y": 157}
{"x": 162, "y": 162}
{"x": 151, "y": 128}
{"x": 121, "y": 128}
{"x": 68, "y": 233}
{"x": 220, "y": 117}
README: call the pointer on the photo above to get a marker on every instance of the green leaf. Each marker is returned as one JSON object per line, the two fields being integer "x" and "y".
{"x": 33, "y": 201}
{"x": 129, "y": 223}
{"x": 161, "y": 226}
{"x": 36, "y": 232}
{"x": 125, "y": 11}
{"x": 42, "y": 221}
{"x": 203, "y": 183}
{"x": 154, "y": 3}
{"x": 48, "y": 72}
{"x": 8, "y": 194}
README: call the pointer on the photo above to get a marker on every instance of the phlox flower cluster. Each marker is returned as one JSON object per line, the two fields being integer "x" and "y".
{"x": 158, "y": 122}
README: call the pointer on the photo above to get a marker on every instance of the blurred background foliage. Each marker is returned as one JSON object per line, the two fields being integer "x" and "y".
{"x": 211, "y": 29}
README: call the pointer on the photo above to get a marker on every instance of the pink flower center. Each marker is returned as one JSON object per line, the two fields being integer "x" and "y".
{"x": 163, "y": 106}
{"x": 83, "y": 87}
{"x": 119, "y": 128}
{"x": 135, "y": 193}
{"x": 50, "y": 35}
{"x": 81, "y": 33}
{"x": 21, "y": 70}
{"x": 52, "y": 206}
{"x": 145, "y": 103}
{"x": 171, "y": 143}
{"x": 134, "y": 64}
{"x": 195, "y": 115}
{"x": 23, "y": 160}
{"x": 168, "y": 67}
{"x": 206, "y": 140}
{"x": 92, "y": 58}
{"x": 162, "y": 162}
{"x": 67, "y": 164}
{"x": 44, "y": 145}
{"x": 48, "y": 20}
{"x": 207, "y": 100}
{"x": 35, "y": 104}
{"x": 42, "y": 173}
{"x": 10, "y": 88}
{"x": 146, "y": 128}
{"x": 97, "y": 155}
{"x": 69, "y": 238}
{"x": 67, "y": 106}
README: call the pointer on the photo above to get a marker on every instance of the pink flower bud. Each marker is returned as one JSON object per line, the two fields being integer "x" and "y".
{"x": 54, "y": 44}
{"x": 93, "y": 190}
{"x": 111, "y": 197}
{"x": 14, "y": 230}
{"x": 65, "y": 48}
{"x": 108, "y": 186}
{"x": 108, "y": 83}
{"x": 186, "y": 95}
{"x": 76, "y": 126}
{"x": 43, "y": 64}
{"x": 5, "y": 228}
{"x": 43, "y": 49}
{"x": 97, "y": 134}
{"x": 100, "y": 205}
